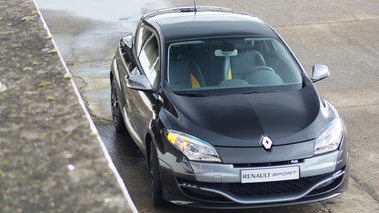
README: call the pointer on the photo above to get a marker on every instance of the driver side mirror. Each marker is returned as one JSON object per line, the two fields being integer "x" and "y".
{"x": 138, "y": 82}
{"x": 319, "y": 72}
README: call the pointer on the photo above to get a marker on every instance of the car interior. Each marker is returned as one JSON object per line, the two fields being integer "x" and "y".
{"x": 233, "y": 63}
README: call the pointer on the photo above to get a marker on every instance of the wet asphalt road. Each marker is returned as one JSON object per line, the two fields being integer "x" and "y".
{"x": 341, "y": 34}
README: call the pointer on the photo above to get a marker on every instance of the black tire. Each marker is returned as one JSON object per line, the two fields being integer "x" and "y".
{"x": 118, "y": 120}
{"x": 156, "y": 186}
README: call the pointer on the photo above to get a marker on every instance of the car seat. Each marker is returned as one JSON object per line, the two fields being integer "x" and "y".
{"x": 185, "y": 74}
{"x": 246, "y": 59}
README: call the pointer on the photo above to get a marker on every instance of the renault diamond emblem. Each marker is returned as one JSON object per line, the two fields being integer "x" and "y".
{"x": 266, "y": 142}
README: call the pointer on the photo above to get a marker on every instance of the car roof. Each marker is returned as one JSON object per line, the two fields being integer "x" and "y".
{"x": 178, "y": 24}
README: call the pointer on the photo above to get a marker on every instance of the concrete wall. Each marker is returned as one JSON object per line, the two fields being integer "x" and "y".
{"x": 52, "y": 158}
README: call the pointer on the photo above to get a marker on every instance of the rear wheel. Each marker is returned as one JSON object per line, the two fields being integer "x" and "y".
{"x": 118, "y": 121}
{"x": 156, "y": 186}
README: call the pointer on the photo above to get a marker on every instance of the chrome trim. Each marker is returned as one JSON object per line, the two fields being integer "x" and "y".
{"x": 266, "y": 142}
{"x": 226, "y": 173}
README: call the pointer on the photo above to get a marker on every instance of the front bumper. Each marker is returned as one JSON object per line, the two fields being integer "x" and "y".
{"x": 212, "y": 185}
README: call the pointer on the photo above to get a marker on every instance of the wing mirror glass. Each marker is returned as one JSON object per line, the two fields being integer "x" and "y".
{"x": 319, "y": 72}
{"x": 138, "y": 82}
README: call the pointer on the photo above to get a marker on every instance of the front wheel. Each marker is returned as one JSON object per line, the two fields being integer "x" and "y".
{"x": 118, "y": 121}
{"x": 156, "y": 186}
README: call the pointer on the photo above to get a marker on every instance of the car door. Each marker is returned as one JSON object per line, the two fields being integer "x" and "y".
{"x": 140, "y": 104}
{"x": 123, "y": 64}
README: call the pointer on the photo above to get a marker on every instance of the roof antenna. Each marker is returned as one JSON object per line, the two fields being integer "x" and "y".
{"x": 194, "y": 4}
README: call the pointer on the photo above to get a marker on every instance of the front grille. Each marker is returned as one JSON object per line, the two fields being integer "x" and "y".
{"x": 248, "y": 190}
{"x": 269, "y": 188}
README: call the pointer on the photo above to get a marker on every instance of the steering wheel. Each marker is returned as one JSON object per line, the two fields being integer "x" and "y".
{"x": 254, "y": 69}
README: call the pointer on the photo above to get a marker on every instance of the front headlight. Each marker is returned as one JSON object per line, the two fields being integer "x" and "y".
{"x": 330, "y": 137}
{"x": 193, "y": 148}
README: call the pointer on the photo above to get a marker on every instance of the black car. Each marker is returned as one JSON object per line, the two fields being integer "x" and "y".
{"x": 224, "y": 112}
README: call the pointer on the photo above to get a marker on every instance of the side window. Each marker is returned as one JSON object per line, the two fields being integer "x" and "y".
{"x": 141, "y": 35}
{"x": 149, "y": 57}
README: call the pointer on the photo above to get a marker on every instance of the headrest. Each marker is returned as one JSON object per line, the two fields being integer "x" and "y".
{"x": 244, "y": 44}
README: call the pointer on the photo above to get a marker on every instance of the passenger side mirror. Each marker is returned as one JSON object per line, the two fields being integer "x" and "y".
{"x": 319, "y": 72}
{"x": 138, "y": 82}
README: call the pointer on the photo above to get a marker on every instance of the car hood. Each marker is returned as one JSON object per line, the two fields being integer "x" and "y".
{"x": 242, "y": 119}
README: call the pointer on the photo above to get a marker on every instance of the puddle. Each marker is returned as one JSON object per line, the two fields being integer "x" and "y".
{"x": 105, "y": 10}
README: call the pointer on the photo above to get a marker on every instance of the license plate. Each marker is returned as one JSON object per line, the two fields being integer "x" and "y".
{"x": 270, "y": 174}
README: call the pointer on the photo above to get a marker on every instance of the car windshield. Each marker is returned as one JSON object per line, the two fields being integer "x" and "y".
{"x": 243, "y": 65}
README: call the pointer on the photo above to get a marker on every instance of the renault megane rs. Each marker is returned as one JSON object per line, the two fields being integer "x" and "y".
{"x": 224, "y": 113}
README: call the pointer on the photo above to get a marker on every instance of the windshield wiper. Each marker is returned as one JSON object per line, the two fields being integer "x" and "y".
{"x": 251, "y": 92}
{"x": 191, "y": 94}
